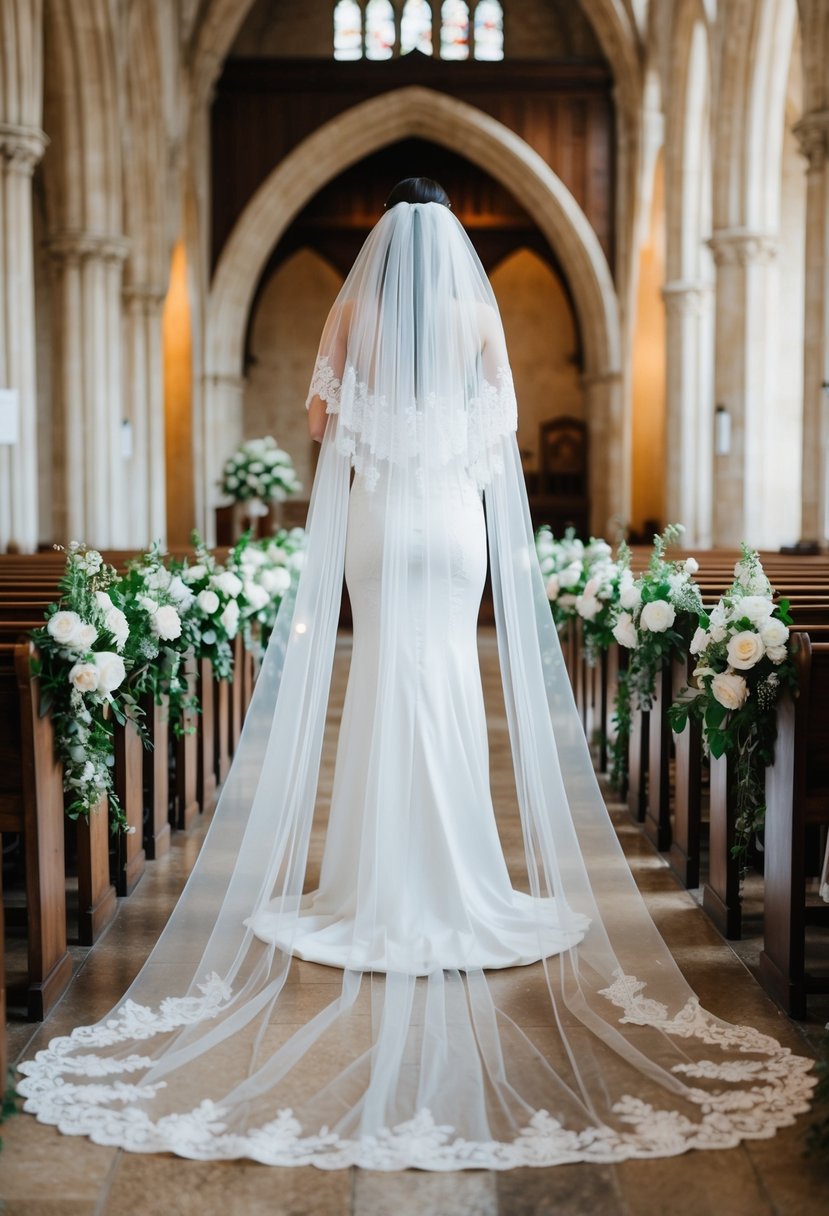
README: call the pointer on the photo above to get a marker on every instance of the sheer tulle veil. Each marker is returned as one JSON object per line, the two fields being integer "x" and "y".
{"x": 226, "y": 1046}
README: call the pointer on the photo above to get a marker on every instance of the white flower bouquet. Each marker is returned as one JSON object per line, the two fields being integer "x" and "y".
{"x": 743, "y": 666}
{"x": 259, "y": 470}
{"x": 268, "y": 569}
{"x": 83, "y": 663}
{"x": 563, "y": 568}
{"x": 655, "y": 612}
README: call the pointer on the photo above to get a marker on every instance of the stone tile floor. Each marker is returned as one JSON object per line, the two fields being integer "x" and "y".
{"x": 45, "y": 1174}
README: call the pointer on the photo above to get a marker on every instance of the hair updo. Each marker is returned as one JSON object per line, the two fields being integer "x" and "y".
{"x": 418, "y": 190}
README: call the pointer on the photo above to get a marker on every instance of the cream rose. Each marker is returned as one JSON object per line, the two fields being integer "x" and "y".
{"x": 588, "y": 607}
{"x": 63, "y": 626}
{"x": 745, "y": 649}
{"x": 85, "y": 636}
{"x": 777, "y": 653}
{"x": 657, "y": 616}
{"x": 256, "y": 596}
{"x": 111, "y": 670}
{"x": 729, "y": 689}
{"x": 624, "y": 631}
{"x": 552, "y": 587}
{"x": 84, "y": 677}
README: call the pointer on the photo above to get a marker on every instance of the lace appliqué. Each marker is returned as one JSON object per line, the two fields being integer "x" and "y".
{"x": 109, "y": 1113}
{"x": 437, "y": 431}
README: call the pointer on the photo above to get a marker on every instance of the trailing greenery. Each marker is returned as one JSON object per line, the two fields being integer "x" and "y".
{"x": 620, "y": 745}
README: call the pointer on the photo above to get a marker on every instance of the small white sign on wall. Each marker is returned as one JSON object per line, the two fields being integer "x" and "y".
{"x": 9, "y": 415}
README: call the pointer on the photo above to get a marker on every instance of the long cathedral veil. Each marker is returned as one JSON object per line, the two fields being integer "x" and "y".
{"x": 226, "y": 1046}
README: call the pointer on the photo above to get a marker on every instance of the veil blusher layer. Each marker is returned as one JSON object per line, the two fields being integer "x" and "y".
{"x": 225, "y": 1045}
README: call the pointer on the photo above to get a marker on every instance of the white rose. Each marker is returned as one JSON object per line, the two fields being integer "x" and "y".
{"x": 591, "y": 587}
{"x": 179, "y": 591}
{"x": 588, "y": 607}
{"x": 103, "y": 600}
{"x": 256, "y": 596}
{"x": 757, "y": 608}
{"x": 774, "y": 633}
{"x": 657, "y": 616}
{"x": 624, "y": 631}
{"x": 85, "y": 636}
{"x": 544, "y": 544}
{"x": 777, "y": 653}
{"x": 276, "y": 582}
{"x": 230, "y": 618}
{"x": 745, "y": 649}
{"x": 296, "y": 560}
{"x": 630, "y": 597}
{"x": 699, "y": 641}
{"x": 84, "y": 677}
{"x": 254, "y": 557}
{"x": 116, "y": 624}
{"x": 149, "y": 605}
{"x": 227, "y": 582}
{"x": 691, "y": 565}
{"x": 111, "y": 670}
{"x": 570, "y": 575}
{"x": 729, "y": 689}
{"x": 194, "y": 574}
{"x": 167, "y": 623}
{"x": 63, "y": 626}
{"x": 208, "y": 601}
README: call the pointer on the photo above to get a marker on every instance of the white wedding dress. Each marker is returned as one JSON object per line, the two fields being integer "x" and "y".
{"x": 418, "y": 883}
{"x": 428, "y": 1047}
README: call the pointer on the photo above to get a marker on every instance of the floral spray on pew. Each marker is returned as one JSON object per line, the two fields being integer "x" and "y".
{"x": 743, "y": 666}
{"x": 654, "y": 620}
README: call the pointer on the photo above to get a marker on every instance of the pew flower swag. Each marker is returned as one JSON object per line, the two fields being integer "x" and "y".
{"x": 580, "y": 581}
{"x": 743, "y": 666}
{"x": 110, "y": 640}
{"x": 84, "y": 651}
{"x": 652, "y": 621}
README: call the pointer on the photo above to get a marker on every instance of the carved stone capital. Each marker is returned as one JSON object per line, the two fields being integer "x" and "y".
{"x": 75, "y": 247}
{"x": 685, "y": 298}
{"x": 21, "y": 147}
{"x": 813, "y": 136}
{"x": 741, "y": 247}
{"x": 147, "y": 297}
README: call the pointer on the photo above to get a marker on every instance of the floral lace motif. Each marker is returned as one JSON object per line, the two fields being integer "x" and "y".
{"x": 108, "y": 1114}
{"x": 438, "y": 430}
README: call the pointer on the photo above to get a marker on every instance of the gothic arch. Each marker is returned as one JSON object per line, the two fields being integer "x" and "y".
{"x": 345, "y": 140}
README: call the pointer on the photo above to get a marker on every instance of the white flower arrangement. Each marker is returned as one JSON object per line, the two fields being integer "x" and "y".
{"x": 261, "y": 470}
{"x": 743, "y": 665}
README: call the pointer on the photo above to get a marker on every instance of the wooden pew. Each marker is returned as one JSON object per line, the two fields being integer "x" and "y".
{"x": 97, "y": 902}
{"x": 31, "y": 803}
{"x": 156, "y": 777}
{"x": 128, "y": 779}
{"x": 185, "y": 806}
{"x": 797, "y": 796}
{"x": 205, "y": 691}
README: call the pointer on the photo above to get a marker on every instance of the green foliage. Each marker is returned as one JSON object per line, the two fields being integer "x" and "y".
{"x": 619, "y": 746}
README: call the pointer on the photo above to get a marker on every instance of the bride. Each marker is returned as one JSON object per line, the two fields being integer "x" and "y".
{"x": 415, "y": 1008}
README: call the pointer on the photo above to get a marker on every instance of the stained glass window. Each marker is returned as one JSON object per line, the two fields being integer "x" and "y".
{"x": 454, "y": 30}
{"x": 416, "y": 27}
{"x": 379, "y": 29}
{"x": 489, "y": 30}
{"x": 348, "y": 30}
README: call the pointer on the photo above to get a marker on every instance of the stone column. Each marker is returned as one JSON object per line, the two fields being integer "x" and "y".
{"x": 223, "y": 429}
{"x": 608, "y": 453}
{"x": 813, "y": 133}
{"x": 144, "y": 398}
{"x": 21, "y": 148}
{"x": 743, "y": 379}
{"x": 92, "y": 499}
{"x": 689, "y": 408}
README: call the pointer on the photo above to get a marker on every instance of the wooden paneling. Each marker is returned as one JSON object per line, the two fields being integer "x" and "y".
{"x": 263, "y": 108}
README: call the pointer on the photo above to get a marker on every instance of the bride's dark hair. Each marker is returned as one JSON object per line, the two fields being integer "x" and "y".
{"x": 418, "y": 190}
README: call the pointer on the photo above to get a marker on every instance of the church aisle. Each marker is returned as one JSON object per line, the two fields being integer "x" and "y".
{"x": 43, "y": 1172}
